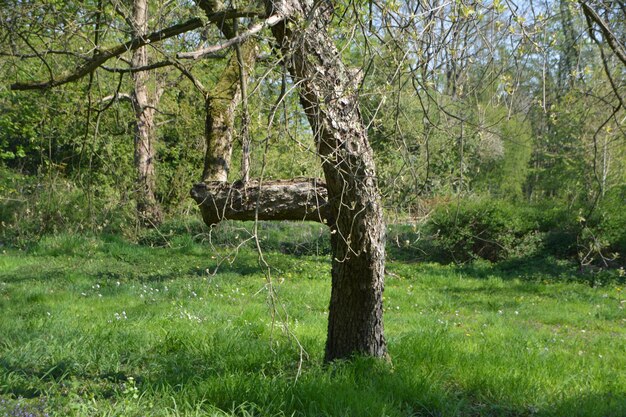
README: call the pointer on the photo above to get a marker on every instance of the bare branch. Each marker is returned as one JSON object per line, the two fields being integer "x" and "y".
{"x": 605, "y": 64}
{"x": 38, "y": 55}
{"x": 133, "y": 70}
{"x": 102, "y": 56}
{"x": 116, "y": 96}
{"x": 611, "y": 39}
{"x": 254, "y": 29}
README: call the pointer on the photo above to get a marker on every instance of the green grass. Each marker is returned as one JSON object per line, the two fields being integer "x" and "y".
{"x": 102, "y": 327}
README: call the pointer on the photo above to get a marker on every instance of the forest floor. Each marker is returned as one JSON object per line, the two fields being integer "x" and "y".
{"x": 103, "y": 327}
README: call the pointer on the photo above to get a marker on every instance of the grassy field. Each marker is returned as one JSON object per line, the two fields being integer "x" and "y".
{"x": 102, "y": 327}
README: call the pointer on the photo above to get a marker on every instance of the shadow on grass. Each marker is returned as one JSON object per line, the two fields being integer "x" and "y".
{"x": 34, "y": 273}
{"x": 547, "y": 269}
{"x": 240, "y": 373}
{"x": 61, "y": 379}
{"x": 248, "y": 373}
{"x": 593, "y": 404}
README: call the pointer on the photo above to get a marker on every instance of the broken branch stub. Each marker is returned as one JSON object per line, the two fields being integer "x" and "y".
{"x": 296, "y": 199}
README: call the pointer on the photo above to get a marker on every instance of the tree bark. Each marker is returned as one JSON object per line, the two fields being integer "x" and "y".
{"x": 298, "y": 199}
{"x": 328, "y": 94}
{"x": 220, "y": 107}
{"x": 568, "y": 56}
{"x": 148, "y": 208}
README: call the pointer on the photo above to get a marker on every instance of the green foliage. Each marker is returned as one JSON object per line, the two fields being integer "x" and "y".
{"x": 505, "y": 156}
{"x": 611, "y": 221}
{"x": 497, "y": 230}
{"x": 475, "y": 228}
{"x": 31, "y": 208}
{"x": 125, "y": 329}
{"x": 602, "y": 241}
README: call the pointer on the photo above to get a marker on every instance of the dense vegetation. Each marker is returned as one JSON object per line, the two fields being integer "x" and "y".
{"x": 510, "y": 128}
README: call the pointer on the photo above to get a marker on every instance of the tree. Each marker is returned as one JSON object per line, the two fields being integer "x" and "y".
{"x": 328, "y": 95}
{"x": 144, "y": 103}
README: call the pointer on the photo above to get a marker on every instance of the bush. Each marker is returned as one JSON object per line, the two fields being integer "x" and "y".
{"x": 478, "y": 228}
{"x": 31, "y": 208}
{"x": 497, "y": 230}
{"x": 611, "y": 220}
{"x": 602, "y": 238}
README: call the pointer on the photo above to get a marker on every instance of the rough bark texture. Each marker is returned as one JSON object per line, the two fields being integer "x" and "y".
{"x": 220, "y": 108}
{"x": 299, "y": 199}
{"x": 147, "y": 205}
{"x": 328, "y": 94}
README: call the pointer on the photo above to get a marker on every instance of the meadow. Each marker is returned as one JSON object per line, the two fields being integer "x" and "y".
{"x": 99, "y": 326}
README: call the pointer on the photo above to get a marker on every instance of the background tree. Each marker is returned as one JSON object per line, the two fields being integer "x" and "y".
{"x": 145, "y": 103}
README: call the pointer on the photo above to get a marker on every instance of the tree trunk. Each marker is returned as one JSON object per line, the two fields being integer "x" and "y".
{"x": 298, "y": 199}
{"x": 220, "y": 108}
{"x": 568, "y": 56}
{"x": 147, "y": 206}
{"x": 328, "y": 94}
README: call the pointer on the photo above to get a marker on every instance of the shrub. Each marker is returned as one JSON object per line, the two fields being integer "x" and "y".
{"x": 477, "y": 228}
{"x": 497, "y": 230}
{"x": 602, "y": 237}
{"x": 611, "y": 223}
{"x": 33, "y": 207}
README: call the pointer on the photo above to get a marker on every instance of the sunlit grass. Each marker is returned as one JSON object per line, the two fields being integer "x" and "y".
{"x": 103, "y": 327}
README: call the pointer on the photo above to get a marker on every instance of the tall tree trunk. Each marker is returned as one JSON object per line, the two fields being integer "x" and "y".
{"x": 220, "y": 108}
{"x": 148, "y": 208}
{"x": 568, "y": 56}
{"x": 328, "y": 94}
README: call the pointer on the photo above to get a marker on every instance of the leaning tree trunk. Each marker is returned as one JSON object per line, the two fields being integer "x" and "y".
{"x": 328, "y": 94}
{"x": 220, "y": 105}
{"x": 147, "y": 206}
